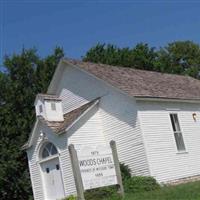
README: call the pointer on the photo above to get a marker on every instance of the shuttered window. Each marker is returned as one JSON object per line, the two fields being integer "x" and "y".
{"x": 177, "y": 132}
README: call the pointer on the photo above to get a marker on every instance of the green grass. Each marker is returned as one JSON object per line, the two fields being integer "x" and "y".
{"x": 188, "y": 191}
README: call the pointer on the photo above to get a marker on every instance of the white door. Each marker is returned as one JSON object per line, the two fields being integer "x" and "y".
{"x": 52, "y": 180}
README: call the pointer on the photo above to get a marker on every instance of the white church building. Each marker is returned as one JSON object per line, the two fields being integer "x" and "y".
{"x": 153, "y": 117}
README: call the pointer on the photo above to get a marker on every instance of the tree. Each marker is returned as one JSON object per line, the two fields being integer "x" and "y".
{"x": 181, "y": 57}
{"x": 26, "y": 75}
{"x": 144, "y": 57}
{"x": 141, "y": 56}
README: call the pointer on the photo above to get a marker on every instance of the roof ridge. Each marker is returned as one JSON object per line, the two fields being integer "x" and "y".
{"x": 134, "y": 82}
{"x": 76, "y": 61}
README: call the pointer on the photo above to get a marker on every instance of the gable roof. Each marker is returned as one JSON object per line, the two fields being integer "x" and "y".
{"x": 142, "y": 83}
{"x": 69, "y": 118}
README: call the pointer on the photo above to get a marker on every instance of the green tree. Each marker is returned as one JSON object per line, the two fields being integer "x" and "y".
{"x": 180, "y": 57}
{"x": 26, "y": 74}
{"x": 141, "y": 56}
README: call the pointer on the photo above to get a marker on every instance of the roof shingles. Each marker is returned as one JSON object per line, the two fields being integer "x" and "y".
{"x": 69, "y": 118}
{"x": 143, "y": 83}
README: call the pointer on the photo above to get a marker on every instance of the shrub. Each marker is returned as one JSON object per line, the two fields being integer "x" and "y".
{"x": 131, "y": 185}
{"x": 100, "y": 193}
{"x": 140, "y": 184}
{"x": 125, "y": 171}
{"x": 106, "y": 192}
{"x": 71, "y": 197}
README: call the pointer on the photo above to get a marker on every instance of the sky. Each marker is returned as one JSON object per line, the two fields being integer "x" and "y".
{"x": 79, "y": 25}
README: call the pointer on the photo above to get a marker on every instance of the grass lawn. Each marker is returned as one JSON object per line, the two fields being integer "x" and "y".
{"x": 188, "y": 191}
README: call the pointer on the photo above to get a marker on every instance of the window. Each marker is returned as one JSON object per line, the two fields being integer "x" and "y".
{"x": 177, "y": 132}
{"x": 53, "y": 106}
{"x": 40, "y": 108}
{"x": 57, "y": 167}
{"x": 48, "y": 150}
{"x": 47, "y": 170}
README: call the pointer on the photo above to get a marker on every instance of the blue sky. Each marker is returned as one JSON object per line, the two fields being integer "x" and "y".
{"x": 79, "y": 25}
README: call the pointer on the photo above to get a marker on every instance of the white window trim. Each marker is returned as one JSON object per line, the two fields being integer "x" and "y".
{"x": 40, "y": 108}
{"x": 49, "y": 158}
{"x": 53, "y": 105}
{"x": 174, "y": 132}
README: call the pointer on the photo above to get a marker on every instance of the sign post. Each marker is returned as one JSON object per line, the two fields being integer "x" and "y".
{"x": 76, "y": 172}
{"x": 117, "y": 168}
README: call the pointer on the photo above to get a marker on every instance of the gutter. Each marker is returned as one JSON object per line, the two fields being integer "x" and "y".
{"x": 165, "y": 99}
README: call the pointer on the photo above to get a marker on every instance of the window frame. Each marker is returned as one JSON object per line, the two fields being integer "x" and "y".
{"x": 179, "y": 147}
{"x": 53, "y": 106}
{"x": 40, "y": 108}
{"x": 50, "y": 148}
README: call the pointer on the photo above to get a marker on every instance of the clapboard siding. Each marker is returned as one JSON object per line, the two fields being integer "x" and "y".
{"x": 120, "y": 123}
{"x": 117, "y": 112}
{"x": 114, "y": 118}
{"x": 81, "y": 133}
{"x": 67, "y": 173}
{"x": 36, "y": 181}
{"x": 77, "y": 88}
{"x": 87, "y": 131}
{"x": 61, "y": 142}
{"x": 34, "y": 166}
{"x": 166, "y": 163}
{"x": 70, "y": 100}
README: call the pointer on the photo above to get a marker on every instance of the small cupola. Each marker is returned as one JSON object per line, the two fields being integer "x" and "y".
{"x": 49, "y": 107}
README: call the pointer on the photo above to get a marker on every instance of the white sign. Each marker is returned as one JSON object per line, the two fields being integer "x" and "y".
{"x": 96, "y": 166}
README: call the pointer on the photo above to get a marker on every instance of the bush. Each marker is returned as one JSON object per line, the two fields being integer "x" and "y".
{"x": 100, "y": 193}
{"x": 110, "y": 191}
{"x": 140, "y": 184}
{"x": 131, "y": 185}
{"x": 125, "y": 172}
{"x": 106, "y": 192}
{"x": 71, "y": 197}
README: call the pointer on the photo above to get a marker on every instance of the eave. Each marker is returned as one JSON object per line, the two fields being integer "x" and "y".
{"x": 58, "y": 128}
{"x": 166, "y": 99}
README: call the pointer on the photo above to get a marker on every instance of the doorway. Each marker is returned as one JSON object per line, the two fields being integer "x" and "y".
{"x": 51, "y": 173}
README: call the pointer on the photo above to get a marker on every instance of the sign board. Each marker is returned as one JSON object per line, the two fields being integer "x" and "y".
{"x": 96, "y": 166}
